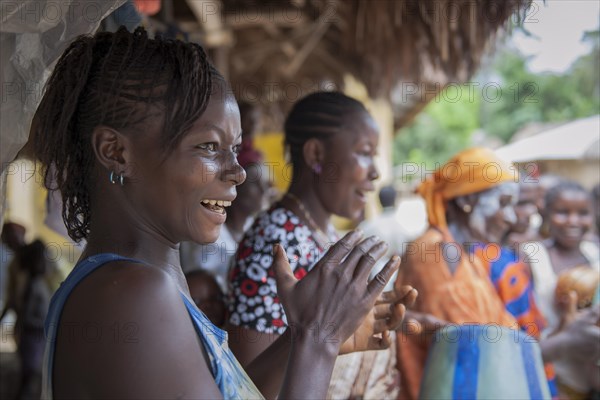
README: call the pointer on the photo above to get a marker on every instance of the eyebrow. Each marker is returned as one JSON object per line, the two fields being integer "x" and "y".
{"x": 218, "y": 129}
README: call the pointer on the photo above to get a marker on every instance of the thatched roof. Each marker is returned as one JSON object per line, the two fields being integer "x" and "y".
{"x": 278, "y": 49}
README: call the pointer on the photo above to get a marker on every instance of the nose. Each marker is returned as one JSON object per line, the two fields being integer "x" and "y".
{"x": 573, "y": 218}
{"x": 373, "y": 172}
{"x": 232, "y": 170}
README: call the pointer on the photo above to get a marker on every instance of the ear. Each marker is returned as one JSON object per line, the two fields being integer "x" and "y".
{"x": 313, "y": 152}
{"x": 111, "y": 149}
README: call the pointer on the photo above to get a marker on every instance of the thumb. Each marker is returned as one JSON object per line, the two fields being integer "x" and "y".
{"x": 283, "y": 272}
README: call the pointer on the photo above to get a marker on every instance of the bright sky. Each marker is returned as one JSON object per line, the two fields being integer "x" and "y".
{"x": 557, "y": 26}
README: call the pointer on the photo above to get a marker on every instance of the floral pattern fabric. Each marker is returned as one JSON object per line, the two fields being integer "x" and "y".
{"x": 254, "y": 302}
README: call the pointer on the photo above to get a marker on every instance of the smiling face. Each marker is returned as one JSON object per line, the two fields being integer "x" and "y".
{"x": 570, "y": 217}
{"x": 493, "y": 214}
{"x": 349, "y": 167}
{"x": 181, "y": 195}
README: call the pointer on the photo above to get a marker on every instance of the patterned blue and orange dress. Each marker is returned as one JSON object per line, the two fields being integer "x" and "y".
{"x": 512, "y": 280}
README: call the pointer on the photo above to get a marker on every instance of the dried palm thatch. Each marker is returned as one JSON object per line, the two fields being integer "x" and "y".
{"x": 422, "y": 40}
{"x": 283, "y": 49}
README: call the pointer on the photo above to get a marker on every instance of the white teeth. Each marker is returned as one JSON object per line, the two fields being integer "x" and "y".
{"x": 221, "y": 203}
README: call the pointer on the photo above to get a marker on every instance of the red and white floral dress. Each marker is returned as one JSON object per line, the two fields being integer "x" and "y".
{"x": 254, "y": 302}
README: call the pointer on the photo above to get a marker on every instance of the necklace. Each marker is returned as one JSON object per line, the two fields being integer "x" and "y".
{"x": 324, "y": 242}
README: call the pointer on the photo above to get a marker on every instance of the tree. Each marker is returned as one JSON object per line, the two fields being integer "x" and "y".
{"x": 442, "y": 129}
{"x": 501, "y": 100}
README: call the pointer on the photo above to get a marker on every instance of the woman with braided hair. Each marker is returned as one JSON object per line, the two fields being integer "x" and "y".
{"x": 332, "y": 140}
{"x": 143, "y": 135}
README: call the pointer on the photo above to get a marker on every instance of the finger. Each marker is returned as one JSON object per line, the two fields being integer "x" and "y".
{"x": 368, "y": 260}
{"x": 388, "y": 311}
{"x": 398, "y": 313}
{"x": 379, "y": 343}
{"x": 380, "y": 325}
{"x": 284, "y": 277}
{"x": 410, "y": 298}
{"x": 388, "y": 297}
{"x": 393, "y": 322}
{"x": 382, "y": 311}
{"x": 410, "y": 326}
{"x": 404, "y": 290}
{"x": 394, "y": 296}
{"x": 338, "y": 251}
{"x": 375, "y": 287}
{"x": 360, "y": 250}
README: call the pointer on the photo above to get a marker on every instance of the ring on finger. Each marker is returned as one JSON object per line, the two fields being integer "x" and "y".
{"x": 380, "y": 279}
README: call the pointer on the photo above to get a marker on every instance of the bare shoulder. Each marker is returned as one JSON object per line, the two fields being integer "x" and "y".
{"x": 125, "y": 332}
{"x": 120, "y": 290}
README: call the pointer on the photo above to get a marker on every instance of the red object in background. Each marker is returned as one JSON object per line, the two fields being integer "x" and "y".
{"x": 147, "y": 7}
{"x": 531, "y": 170}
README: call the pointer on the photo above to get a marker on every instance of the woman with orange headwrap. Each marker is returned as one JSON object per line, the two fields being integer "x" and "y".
{"x": 461, "y": 197}
{"x": 470, "y": 207}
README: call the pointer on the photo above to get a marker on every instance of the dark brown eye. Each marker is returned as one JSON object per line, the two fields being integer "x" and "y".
{"x": 208, "y": 146}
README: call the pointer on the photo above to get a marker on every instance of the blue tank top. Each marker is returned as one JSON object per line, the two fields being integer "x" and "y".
{"x": 232, "y": 380}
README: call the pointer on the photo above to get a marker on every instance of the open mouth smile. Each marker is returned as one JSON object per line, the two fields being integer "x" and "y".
{"x": 217, "y": 206}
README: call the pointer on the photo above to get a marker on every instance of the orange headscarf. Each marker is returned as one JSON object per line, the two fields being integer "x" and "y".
{"x": 469, "y": 171}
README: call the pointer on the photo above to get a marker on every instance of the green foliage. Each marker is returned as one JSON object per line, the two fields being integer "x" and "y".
{"x": 442, "y": 129}
{"x": 500, "y": 101}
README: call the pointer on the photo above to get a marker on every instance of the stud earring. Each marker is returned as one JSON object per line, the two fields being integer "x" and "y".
{"x": 317, "y": 169}
{"x": 467, "y": 208}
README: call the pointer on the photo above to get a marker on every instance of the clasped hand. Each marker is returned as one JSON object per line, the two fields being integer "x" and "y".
{"x": 334, "y": 298}
{"x": 386, "y": 316}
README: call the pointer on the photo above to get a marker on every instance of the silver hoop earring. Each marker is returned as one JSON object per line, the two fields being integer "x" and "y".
{"x": 114, "y": 179}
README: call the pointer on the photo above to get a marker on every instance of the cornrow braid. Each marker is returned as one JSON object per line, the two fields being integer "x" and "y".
{"x": 111, "y": 79}
{"x": 318, "y": 115}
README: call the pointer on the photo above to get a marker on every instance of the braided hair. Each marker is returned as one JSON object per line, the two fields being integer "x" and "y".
{"x": 319, "y": 115}
{"x": 112, "y": 80}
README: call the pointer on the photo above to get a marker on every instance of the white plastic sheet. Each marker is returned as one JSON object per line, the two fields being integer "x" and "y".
{"x": 33, "y": 35}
